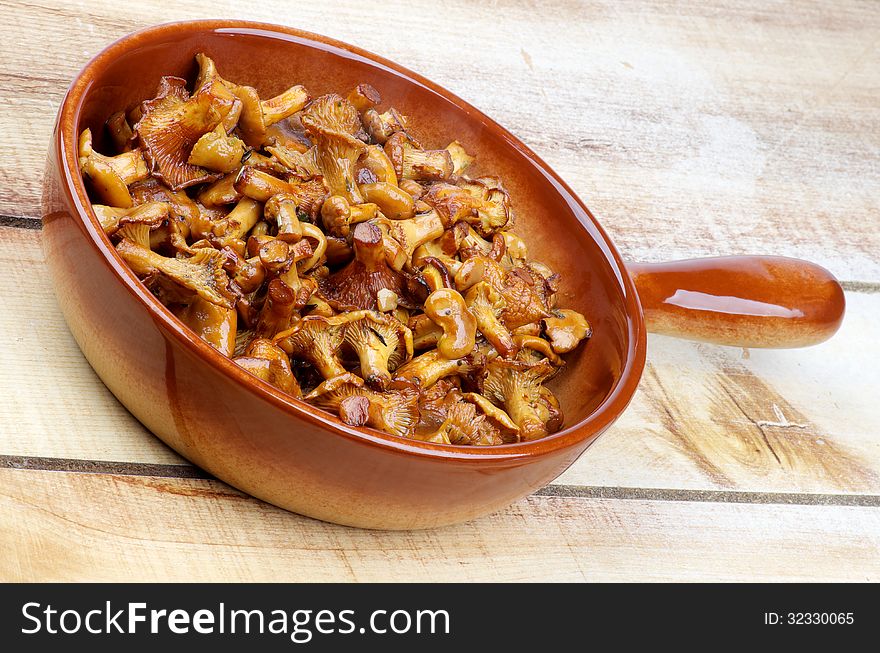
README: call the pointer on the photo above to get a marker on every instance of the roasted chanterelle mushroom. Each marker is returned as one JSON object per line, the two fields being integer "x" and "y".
{"x": 328, "y": 252}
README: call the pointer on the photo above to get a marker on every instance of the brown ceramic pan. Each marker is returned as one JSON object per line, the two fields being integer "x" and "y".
{"x": 291, "y": 454}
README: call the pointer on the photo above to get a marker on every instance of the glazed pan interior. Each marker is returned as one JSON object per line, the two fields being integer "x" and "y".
{"x": 556, "y": 227}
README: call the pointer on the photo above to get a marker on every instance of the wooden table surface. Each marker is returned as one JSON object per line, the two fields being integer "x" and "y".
{"x": 690, "y": 128}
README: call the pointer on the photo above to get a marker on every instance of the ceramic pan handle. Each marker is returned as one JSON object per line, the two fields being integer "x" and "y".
{"x": 745, "y": 301}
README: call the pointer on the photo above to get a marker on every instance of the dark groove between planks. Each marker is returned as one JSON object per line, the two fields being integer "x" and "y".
{"x": 102, "y": 467}
{"x": 709, "y": 496}
{"x": 20, "y": 222}
{"x": 861, "y": 286}
{"x": 40, "y": 463}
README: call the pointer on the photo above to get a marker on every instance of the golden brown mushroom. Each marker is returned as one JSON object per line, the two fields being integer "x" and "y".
{"x": 202, "y": 273}
{"x": 357, "y": 284}
{"x": 506, "y": 426}
{"x": 364, "y": 97}
{"x": 409, "y": 234}
{"x": 239, "y": 221}
{"x": 256, "y": 115}
{"x": 317, "y": 340}
{"x": 517, "y": 387}
{"x": 487, "y": 306}
{"x": 448, "y": 310}
{"x": 460, "y": 158}
{"x": 380, "y": 126}
{"x": 493, "y": 211}
{"x": 566, "y": 328}
{"x": 375, "y": 165}
{"x": 209, "y": 78}
{"x": 149, "y": 213}
{"x": 381, "y": 344}
{"x": 394, "y": 203}
{"x": 258, "y": 185}
{"x": 333, "y": 123}
{"x": 303, "y": 165}
{"x": 430, "y": 367}
{"x": 120, "y": 131}
{"x": 247, "y": 274}
{"x": 522, "y": 303}
{"x": 453, "y": 204}
{"x": 412, "y": 162}
{"x": 464, "y": 426}
{"x": 110, "y": 176}
{"x": 172, "y": 123}
{"x": 221, "y": 192}
{"x": 394, "y": 411}
{"x": 214, "y": 324}
{"x": 277, "y": 310}
{"x": 269, "y": 362}
{"x": 426, "y": 333}
{"x": 216, "y": 151}
{"x": 337, "y": 215}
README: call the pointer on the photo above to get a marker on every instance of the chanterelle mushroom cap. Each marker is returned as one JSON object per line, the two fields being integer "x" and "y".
{"x": 358, "y": 283}
{"x": 182, "y": 210}
{"x": 380, "y": 126}
{"x": 452, "y": 203}
{"x": 381, "y": 344}
{"x": 461, "y": 160}
{"x": 493, "y": 211}
{"x": 317, "y": 340}
{"x": 517, "y": 387}
{"x": 303, "y": 165}
{"x": 214, "y": 324}
{"x": 522, "y": 303}
{"x": 149, "y": 213}
{"x": 209, "y": 78}
{"x": 436, "y": 400}
{"x": 506, "y": 426}
{"x": 172, "y": 123}
{"x": 333, "y": 123}
{"x": 269, "y": 362}
{"x": 532, "y": 346}
{"x": 202, "y": 273}
{"x": 394, "y": 411}
{"x": 110, "y": 176}
{"x": 463, "y": 425}
{"x": 447, "y": 308}
{"x": 566, "y": 328}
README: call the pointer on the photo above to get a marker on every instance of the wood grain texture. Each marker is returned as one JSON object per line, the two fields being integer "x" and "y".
{"x": 182, "y": 529}
{"x": 690, "y": 128}
{"x": 704, "y": 417}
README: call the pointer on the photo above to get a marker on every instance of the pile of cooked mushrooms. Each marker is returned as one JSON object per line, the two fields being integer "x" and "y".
{"x": 319, "y": 245}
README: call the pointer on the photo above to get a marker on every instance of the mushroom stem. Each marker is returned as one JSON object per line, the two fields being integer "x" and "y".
{"x": 277, "y": 310}
{"x": 432, "y": 366}
{"x": 259, "y": 185}
{"x": 446, "y": 308}
{"x": 202, "y": 273}
{"x": 368, "y": 247}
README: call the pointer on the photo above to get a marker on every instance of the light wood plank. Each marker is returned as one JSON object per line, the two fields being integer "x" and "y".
{"x": 184, "y": 530}
{"x": 704, "y": 418}
{"x": 690, "y": 128}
